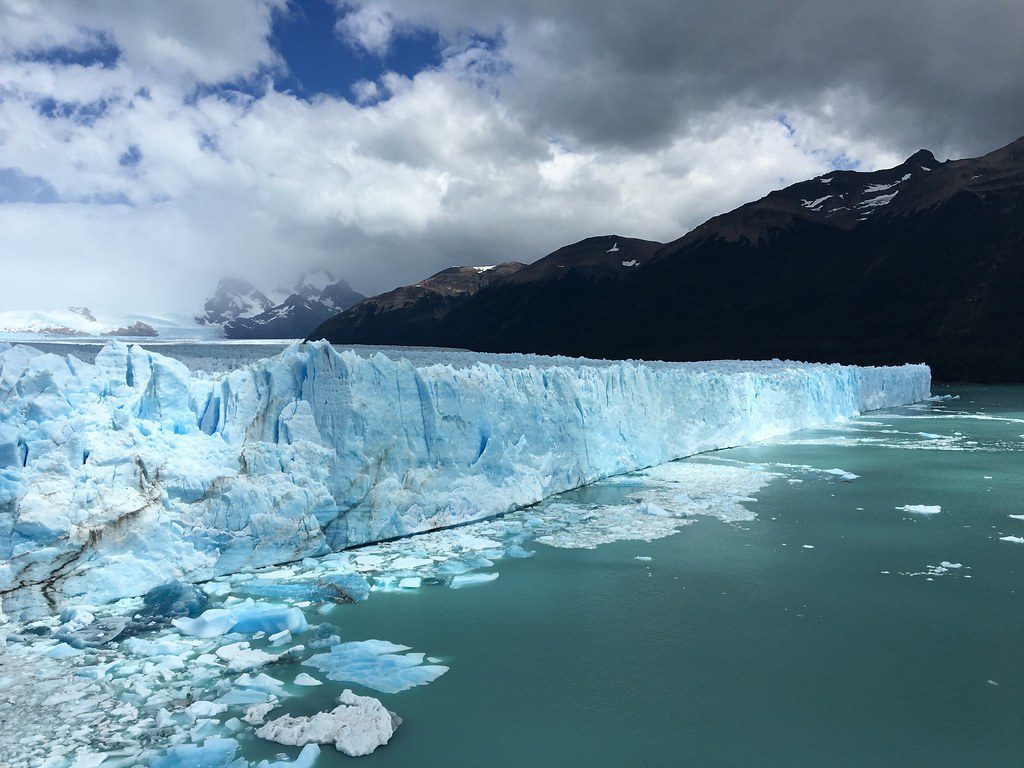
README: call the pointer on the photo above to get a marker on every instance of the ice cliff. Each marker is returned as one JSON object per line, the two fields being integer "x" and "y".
{"x": 120, "y": 475}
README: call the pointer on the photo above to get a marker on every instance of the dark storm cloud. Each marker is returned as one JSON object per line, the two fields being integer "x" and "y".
{"x": 941, "y": 72}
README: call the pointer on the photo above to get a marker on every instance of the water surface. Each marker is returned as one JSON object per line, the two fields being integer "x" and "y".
{"x": 826, "y": 632}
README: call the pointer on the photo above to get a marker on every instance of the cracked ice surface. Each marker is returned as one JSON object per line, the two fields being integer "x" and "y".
{"x": 119, "y": 475}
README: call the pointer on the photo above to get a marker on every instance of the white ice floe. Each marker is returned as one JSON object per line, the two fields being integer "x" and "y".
{"x": 944, "y": 568}
{"x": 357, "y": 726}
{"x": 1013, "y": 539}
{"x": 842, "y": 474}
{"x": 920, "y": 509}
{"x": 240, "y": 657}
{"x": 468, "y": 579}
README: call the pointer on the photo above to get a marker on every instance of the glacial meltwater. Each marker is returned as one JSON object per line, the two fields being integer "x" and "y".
{"x": 859, "y": 621}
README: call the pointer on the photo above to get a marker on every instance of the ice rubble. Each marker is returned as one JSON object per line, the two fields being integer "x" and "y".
{"x": 180, "y": 694}
{"x": 119, "y": 475}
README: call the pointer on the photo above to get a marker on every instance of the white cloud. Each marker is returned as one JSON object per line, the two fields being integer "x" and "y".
{"x": 411, "y": 175}
{"x": 370, "y": 26}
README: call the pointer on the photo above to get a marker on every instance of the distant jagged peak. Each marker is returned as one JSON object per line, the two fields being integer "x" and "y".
{"x": 312, "y": 282}
{"x": 923, "y": 159}
{"x": 84, "y": 312}
{"x": 232, "y": 284}
{"x": 234, "y": 298}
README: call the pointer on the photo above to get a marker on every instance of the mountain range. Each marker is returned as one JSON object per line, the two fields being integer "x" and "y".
{"x": 922, "y": 262}
{"x": 245, "y": 312}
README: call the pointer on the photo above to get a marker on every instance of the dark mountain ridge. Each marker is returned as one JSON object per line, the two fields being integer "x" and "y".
{"x": 923, "y": 262}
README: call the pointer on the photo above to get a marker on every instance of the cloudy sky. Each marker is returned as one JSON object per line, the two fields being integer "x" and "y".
{"x": 149, "y": 148}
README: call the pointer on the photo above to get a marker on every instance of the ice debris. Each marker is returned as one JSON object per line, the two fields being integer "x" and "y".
{"x": 920, "y": 509}
{"x": 357, "y": 726}
{"x": 377, "y": 664}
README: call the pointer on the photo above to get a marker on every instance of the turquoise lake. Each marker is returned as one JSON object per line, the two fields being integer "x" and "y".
{"x": 826, "y": 632}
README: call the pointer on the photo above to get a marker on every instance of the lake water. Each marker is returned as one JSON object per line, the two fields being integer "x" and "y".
{"x": 826, "y": 632}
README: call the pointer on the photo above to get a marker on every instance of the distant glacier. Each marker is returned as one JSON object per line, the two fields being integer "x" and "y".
{"x": 119, "y": 475}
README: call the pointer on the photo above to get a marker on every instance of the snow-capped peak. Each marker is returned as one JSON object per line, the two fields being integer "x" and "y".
{"x": 313, "y": 282}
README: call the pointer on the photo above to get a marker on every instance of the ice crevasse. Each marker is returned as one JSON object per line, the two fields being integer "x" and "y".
{"x": 123, "y": 474}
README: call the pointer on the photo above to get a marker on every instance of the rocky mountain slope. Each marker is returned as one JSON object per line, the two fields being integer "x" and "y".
{"x": 233, "y": 298}
{"x": 504, "y": 296}
{"x": 920, "y": 262}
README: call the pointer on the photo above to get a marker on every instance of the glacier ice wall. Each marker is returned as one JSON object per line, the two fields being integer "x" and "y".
{"x": 120, "y": 475}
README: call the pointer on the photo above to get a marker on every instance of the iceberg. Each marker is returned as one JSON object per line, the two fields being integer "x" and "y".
{"x": 357, "y": 726}
{"x": 121, "y": 475}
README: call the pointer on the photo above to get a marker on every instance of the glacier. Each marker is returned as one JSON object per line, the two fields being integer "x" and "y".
{"x": 122, "y": 474}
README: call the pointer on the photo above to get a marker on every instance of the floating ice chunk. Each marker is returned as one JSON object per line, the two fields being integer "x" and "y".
{"x": 409, "y": 563}
{"x": 76, "y": 617}
{"x": 942, "y": 569}
{"x": 247, "y": 617}
{"x": 169, "y": 646}
{"x": 212, "y": 753}
{"x": 203, "y": 709}
{"x": 238, "y": 697}
{"x": 211, "y": 623}
{"x": 654, "y": 510}
{"x": 1013, "y": 539}
{"x": 644, "y": 558}
{"x": 257, "y": 713}
{"x": 306, "y": 758}
{"x": 376, "y": 664}
{"x": 356, "y": 727}
{"x": 303, "y": 679}
{"x": 808, "y": 546}
{"x": 410, "y": 582}
{"x": 842, "y": 474}
{"x": 1016, "y": 517}
{"x": 920, "y": 509}
{"x": 267, "y": 617}
{"x": 262, "y": 682}
{"x": 240, "y": 657}
{"x": 280, "y": 638}
{"x": 63, "y": 651}
{"x": 468, "y": 579}
{"x": 333, "y": 588}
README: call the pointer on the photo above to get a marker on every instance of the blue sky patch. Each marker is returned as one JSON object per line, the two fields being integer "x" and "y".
{"x": 319, "y": 61}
